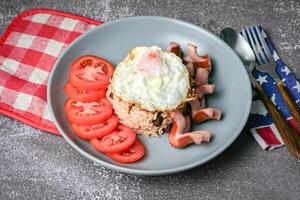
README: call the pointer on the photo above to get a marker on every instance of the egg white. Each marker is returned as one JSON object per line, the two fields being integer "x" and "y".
{"x": 160, "y": 92}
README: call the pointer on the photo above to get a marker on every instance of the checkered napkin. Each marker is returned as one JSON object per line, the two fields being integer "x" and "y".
{"x": 28, "y": 50}
{"x": 260, "y": 122}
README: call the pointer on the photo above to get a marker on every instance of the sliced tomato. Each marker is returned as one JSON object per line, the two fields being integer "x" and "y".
{"x": 88, "y": 113}
{"x": 83, "y": 95}
{"x": 119, "y": 140}
{"x": 134, "y": 153}
{"x": 91, "y": 73}
{"x": 83, "y": 79}
{"x": 100, "y": 64}
{"x": 97, "y": 130}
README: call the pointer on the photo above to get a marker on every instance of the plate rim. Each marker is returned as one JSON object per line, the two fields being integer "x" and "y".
{"x": 121, "y": 168}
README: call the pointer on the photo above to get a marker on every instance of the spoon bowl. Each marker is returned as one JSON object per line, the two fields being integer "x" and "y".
{"x": 240, "y": 46}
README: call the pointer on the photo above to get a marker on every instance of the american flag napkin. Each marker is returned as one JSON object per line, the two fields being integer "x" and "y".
{"x": 260, "y": 122}
{"x": 29, "y": 48}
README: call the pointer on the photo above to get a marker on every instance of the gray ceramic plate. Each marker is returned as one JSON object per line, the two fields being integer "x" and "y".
{"x": 112, "y": 41}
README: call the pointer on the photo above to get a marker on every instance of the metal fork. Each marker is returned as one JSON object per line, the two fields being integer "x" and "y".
{"x": 266, "y": 63}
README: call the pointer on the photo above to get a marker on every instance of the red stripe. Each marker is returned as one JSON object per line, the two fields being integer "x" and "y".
{"x": 13, "y": 52}
{"x": 267, "y": 135}
{"x": 72, "y": 37}
{"x": 46, "y": 62}
{"x": 54, "y": 20}
{"x": 294, "y": 125}
{"x": 20, "y": 85}
{"x": 62, "y": 35}
{"x": 32, "y": 57}
{"x": 47, "y": 31}
{"x": 23, "y": 25}
{"x": 8, "y": 96}
{"x": 43, "y": 124}
{"x": 5, "y": 50}
{"x": 33, "y": 28}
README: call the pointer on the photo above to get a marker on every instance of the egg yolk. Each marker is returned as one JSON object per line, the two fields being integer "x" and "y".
{"x": 150, "y": 63}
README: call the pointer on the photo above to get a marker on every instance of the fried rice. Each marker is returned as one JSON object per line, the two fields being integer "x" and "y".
{"x": 142, "y": 121}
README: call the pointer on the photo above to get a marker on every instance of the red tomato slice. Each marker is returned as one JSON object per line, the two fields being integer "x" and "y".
{"x": 101, "y": 64}
{"x": 131, "y": 155}
{"x": 119, "y": 140}
{"x": 88, "y": 113}
{"x": 83, "y": 79}
{"x": 97, "y": 130}
{"x": 83, "y": 95}
{"x": 91, "y": 73}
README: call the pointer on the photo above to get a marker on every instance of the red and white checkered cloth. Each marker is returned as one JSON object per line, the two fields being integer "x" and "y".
{"x": 28, "y": 50}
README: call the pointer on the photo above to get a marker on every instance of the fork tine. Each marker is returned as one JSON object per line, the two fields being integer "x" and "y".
{"x": 264, "y": 44}
{"x": 254, "y": 48}
{"x": 259, "y": 46}
{"x": 244, "y": 34}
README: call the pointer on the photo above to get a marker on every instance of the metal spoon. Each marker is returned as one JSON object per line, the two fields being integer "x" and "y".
{"x": 244, "y": 51}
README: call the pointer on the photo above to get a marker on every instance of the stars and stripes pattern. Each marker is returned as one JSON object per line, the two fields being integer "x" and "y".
{"x": 269, "y": 86}
{"x": 260, "y": 122}
{"x": 28, "y": 50}
{"x": 285, "y": 74}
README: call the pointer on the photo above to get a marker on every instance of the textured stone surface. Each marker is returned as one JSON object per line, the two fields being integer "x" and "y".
{"x": 37, "y": 165}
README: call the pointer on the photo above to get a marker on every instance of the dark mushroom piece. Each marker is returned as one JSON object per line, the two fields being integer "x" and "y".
{"x": 159, "y": 119}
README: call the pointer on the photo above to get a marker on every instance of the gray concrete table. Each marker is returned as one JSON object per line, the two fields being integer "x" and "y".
{"x": 38, "y": 165}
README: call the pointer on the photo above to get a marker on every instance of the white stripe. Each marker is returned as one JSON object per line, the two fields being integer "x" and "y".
{"x": 289, "y": 118}
{"x": 10, "y": 66}
{"x": 258, "y": 139}
{"x": 68, "y": 24}
{"x": 22, "y": 101}
{"x": 25, "y": 40}
{"x": 275, "y": 56}
{"x": 38, "y": 76}
{"x": 274, "y": 146}
{"x": 263, "y": 126}
{"x": 40, "y": 18}
{"x": 53, "y": 48}
{"x": 46, "y": 114}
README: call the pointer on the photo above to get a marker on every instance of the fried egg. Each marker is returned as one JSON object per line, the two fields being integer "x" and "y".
{"x": 154, "y": 79}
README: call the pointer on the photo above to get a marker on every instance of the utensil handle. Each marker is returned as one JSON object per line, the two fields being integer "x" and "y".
{"x": 290, "y": 137}
{"x": 290, "y": 102}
